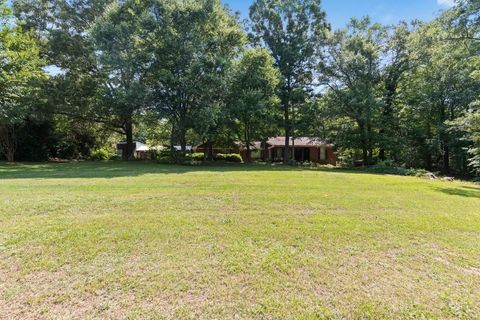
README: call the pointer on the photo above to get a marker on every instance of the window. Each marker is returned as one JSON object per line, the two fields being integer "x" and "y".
{"x": 323, "y": 154}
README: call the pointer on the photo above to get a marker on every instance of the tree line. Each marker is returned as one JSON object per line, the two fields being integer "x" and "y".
{"x": 79, "y": 74}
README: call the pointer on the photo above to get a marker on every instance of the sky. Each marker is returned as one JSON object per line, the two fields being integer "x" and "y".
{"x": 339, "y": 12}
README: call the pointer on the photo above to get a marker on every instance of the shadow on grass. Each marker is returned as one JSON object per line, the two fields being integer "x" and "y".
{"x": 117, "y": 169}
{"x": 463, "y": 191}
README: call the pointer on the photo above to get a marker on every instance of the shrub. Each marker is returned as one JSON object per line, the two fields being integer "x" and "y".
{"x": 420, "y": 173}
{"x": 384, "y": 167}
{"x": 229, "y": 157}
{"x": 220, "y": 157}
{"x": 233, "y": 157}
{"x": 198, "y": 156}
{"x": 101, "y": 154}
{"x": 178, "y": 157}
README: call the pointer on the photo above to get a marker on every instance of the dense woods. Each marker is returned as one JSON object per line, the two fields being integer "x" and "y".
{"x": 78, "y": 76}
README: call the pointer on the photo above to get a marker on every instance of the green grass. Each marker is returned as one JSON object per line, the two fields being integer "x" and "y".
{"x": 140, "y": 240}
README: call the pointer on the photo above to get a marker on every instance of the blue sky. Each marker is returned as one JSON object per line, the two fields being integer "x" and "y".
{"x": 339, "y": 12}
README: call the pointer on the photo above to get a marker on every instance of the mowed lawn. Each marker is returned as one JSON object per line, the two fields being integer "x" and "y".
{"x": 150, "y": 241}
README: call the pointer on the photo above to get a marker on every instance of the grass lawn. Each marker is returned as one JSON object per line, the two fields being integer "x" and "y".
{"x": 140, "y": 240}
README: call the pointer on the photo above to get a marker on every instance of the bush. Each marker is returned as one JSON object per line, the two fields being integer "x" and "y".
{"x": 476, "y": 180}
{"x": 220, "y": 157}
{"x": 101, "y": 154}
{"x": 169, "y": 157}
{"x": 198, "y": 156}
{"x": 233, "y": 157}
{"x": 385, "y": 167}
{"x": 229, "y": 157}
{"x": 420, "y": 173}
{"x": 388, "y": 167}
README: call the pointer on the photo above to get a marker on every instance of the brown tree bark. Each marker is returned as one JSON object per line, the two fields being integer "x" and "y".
{"x": 209, "y": 154}
{"x": 8, "y": 141}
{"x": 129, "y": 147}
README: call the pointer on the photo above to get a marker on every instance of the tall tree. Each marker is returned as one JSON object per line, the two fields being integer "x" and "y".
{"x": 121, "y": 40}
{"x": 252, "y": 101}
{"x": 353, "y": 74}
{"x": 20, "y": 72}
{"x": 439, "y": 88}
{"x": 61, "y": 28}
{"x": 294, "y": 32}
{"x": 195, "y": 44}
{"x": 396, "y": 62}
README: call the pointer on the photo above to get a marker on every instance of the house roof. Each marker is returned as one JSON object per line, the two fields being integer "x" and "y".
{"x": 299, "y": 142}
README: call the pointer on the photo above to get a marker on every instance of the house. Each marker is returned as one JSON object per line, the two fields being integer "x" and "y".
{"x": 306, "y": 149}
{"x": 140, "y": 151}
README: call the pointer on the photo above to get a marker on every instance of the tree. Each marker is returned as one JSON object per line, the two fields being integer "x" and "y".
{"x": 352, "y": 71}
{"x": 473, "y": 129}
{"x": 252, "y": 101}
{"x": 21, "y": 70}
{"x": 438, "y": 89}
{"x": 124, "y": 54}
{"x": 61, "y": 28}
{"x": 396, "y": 62}
{"x": 469, "y": 128}
{"x": 195, "y": 43}
{"x": 464, "y": 19}
{"x": 294, "y": 32}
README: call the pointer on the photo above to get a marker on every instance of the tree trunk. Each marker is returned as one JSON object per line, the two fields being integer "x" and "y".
{"x": 209, "y": 150}
{"x": 286, "y": 119}
{"x": 129, "y": 147}
{"x": 286, "y": 150}
{"x": 364, "y": 142}
{"x": 364, "y": 155}
{"x": 369, "y": 144}
{"x": 247, "y": 144}
{"x": 446, "y": 157}
{"x": 428, "y": 161}
{"x": 249, "y": 153}
{"x": 8, "y": 141}
{"x": 172, "y": 139}
{"x": 182, "y": 137}
{"x": 386, "y": 130}
{"x": 293, "y": 135}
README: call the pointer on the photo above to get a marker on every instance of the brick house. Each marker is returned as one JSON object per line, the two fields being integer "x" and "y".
{"x": 306, "y": 149}
{"x": 271, "y": 150}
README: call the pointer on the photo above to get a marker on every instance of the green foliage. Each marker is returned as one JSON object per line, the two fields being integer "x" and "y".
{"x": 353, "y": 70}
{"x": 233, "y": 157}
{"x": 220, "y": 157}
{"x": 101, "y": 154}
{"x": 20, "y": 75}
{"x": 389, "y": 167}
{"x": 198, "y": 156}
{"x": 123, "y": 59}
{"x": 229, "y": 157}
{"x": 181, "y": 72}
{"x": 252, "y": 102}
{"x": 473, "y": 135}
{"x": 195, "y": 43}
{"x": 294, "y": 31}
{"x": 438, "y": 89}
